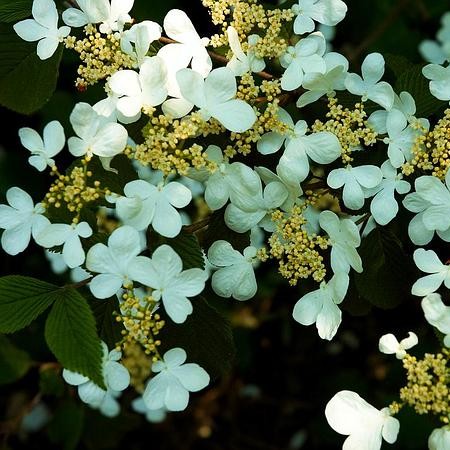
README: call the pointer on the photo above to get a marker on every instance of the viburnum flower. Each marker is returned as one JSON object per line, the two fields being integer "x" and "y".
{"x": 20, "y": 220}
{"x": 369, "y": 87}
{"x": 137, "y": 91}
{"x": 437, "y": 315}
{"x": 344, "y": 238}
{"x": 320, "y": 84}
{"x": 235, "y": 276}
{"x": 320, "y": 306}
{"x": 69, "y": 237}
{"x": 96, "y": 135}
{"x": 366, "y": 427}
{"x": 43, "y": 28}
{"x": 306, "y": 56}
{"x": 427, "y": 261}
{"x": 43, "y": 150}
{"x": 322, "y": 147}
{"x": 215, "y": 97}
{"x": 170, "y": 283}
{"x": 354, "y": 180}
{"x": 439, "y": 80}
{"x": 137, "y": 40}
{"x": 327, "y": 12}
{"x": 152, "y": 415}
{"x": 112, "y": 16}
{"x": 439, "y": 439}
{"x": 389, "y": 344}
{"x": 174, "y": 380}
{"x": 400, "y": 140}
{"x": 116, "y": 378}
{"x": 242, "y": 63}
{"x": 189, "y": 47}
{"x": 438, "y": 52}
{"x": 272, "y": 141}
{"x": 253, "y": 207}
{"x": 384, "y": 206}
{"x": 145, "y": 204}
{"x": 431, "y": 203}
{"x": 114, "y": 262}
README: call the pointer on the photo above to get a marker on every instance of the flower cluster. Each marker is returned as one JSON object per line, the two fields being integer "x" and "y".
{"x": 239, "y": 131}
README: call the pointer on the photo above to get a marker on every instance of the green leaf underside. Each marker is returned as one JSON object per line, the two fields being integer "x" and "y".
{"x": 206, "y": 336}
{"x": 70, "y": 332}
{"x": 26, "y": 82}
{"x": 14, "y": 362}
{"x": 22, "y": 300}
{"x": 14, "y": 10}
{"x": 384, "y": 263}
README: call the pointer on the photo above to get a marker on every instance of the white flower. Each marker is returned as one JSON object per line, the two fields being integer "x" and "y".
{"x": 215, "y": 97}
{"x": 21, "y": 220}
{"x": 43, "y": 150}
{"x": 327, "y": 12}
{"x": 440, "y": 80}
{"x": 235, "y": 277}
{"x": 319, "y": 84}
{"x": 384, "y": 206}
{"x": 137, "y": 40}
{"x": 56, "y": 261}
{"x": 152, "y": 415}
{"x": 112, "y": 16}
{"x": 389, "y": 344}
{"x": 400, "y": 138}
{"x": 174, "y": 380}
{"x": 190, "y": 48}
{"x": 68, "y": 236}
{"x": 354, "y": 179}
{"x": 322, "y": 147}
{"x": 427, "y": 261}
{"x": 366, "y": 427}
{"x": 43, "y": 28}
{"x": 369, "y": 86}
{"x": 137, "y": 91}
{"x": 96, "y": 135}
{"x": 242, "y": 63}
{"x": 438, "y": 52}
{"x": 272, "y": 141}
{"x": 431, "y": 202}
{"x": 116, "y": 378}
{"x": 320, "y": 306}
{"x": 344, "y": 238}
{"x": 437, "y": 315}
{"x": 439, "y": 439}
{"x": 306, "y": 56}
{"x": 165, "y": 275}
{"x": 254, "y": 206}
{"x": 145, "y": 204}
{"x": 114, "y": 262}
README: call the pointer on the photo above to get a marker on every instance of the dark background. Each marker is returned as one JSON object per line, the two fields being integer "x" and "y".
{"x": 283, "y": 375}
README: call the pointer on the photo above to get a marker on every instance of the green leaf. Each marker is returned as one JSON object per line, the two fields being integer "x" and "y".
{"x": 186, "y": 245}
{"x": 66, "y": 426}
{"x": 387, "y": 275}
{"x": 22, "y": 300}
{"x": 109, "y": 330}
{"x": 14, "y": 362}
{"x": 14, "y": 10}
{"x": 206, "y": 336}
{"x": 413, "y": 81}
{"x": 26, "y": 82}
{"x": 71, "y": 334}
{"x": 217, "y": 229}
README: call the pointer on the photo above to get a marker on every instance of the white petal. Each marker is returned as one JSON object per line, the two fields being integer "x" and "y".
{"x": 234, "y": 115}
{"x": 193, "y": 377}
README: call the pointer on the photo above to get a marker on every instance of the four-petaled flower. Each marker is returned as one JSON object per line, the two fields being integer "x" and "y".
{"x": 389, "y": 344}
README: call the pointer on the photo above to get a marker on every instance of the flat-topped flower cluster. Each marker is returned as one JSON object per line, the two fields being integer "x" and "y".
{"x": 200, "y": 124}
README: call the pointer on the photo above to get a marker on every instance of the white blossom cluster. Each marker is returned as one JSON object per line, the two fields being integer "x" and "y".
{"x": 180, "y": 78}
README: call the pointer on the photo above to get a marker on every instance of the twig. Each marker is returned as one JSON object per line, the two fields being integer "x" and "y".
{"x": 197, "y": 226}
